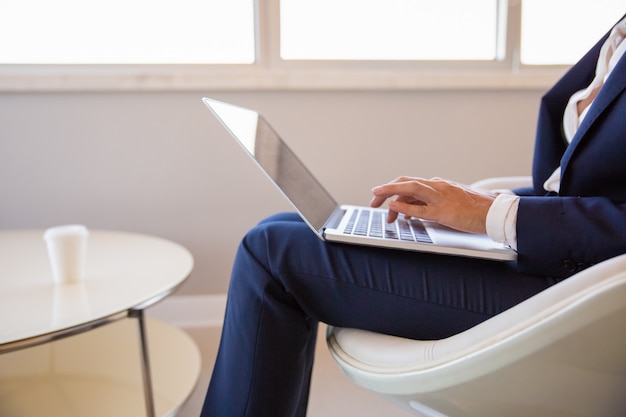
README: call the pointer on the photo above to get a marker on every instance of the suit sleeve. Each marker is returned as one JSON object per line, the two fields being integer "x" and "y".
{"x": 559, "y": 236}
{"x": 524, "y": 191}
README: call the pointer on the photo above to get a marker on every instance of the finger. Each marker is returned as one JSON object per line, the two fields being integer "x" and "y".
{"x": 377, "y": 201}
{"x": 409, "y": 199}
{"x": 381, "y": 194}
{"x": 411, "y": 210}
{"x": 389, "y": 190}
{"x": 416, "y": 190}
{"x": 392, "y": 216}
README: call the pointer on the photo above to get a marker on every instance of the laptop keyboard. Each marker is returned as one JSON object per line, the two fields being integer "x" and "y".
{"x": 373, "y": 223}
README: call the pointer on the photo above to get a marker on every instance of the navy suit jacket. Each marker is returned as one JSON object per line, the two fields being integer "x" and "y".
{"x": 586, "y": 223}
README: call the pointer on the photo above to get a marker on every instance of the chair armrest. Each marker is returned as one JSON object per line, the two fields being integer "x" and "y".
{"x": 499, "y": 183}
{"x": 394, "y": 365}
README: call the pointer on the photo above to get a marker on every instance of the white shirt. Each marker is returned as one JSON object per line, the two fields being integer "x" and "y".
{"x": 502, "y": 215}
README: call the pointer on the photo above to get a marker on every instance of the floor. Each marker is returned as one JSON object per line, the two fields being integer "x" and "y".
{"x": 332, "y": 394}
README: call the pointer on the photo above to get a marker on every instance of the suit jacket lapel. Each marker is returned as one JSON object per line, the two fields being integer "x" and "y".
{"x": 615, "y": 84}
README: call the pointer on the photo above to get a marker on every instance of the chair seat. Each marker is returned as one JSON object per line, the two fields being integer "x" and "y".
{"x": 559, "y": 353}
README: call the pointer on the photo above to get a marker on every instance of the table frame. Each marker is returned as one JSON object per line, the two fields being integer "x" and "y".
{"x": 136, "y": 312}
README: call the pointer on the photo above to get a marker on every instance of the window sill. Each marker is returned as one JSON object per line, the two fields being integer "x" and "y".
{"x": 126, "y": 79}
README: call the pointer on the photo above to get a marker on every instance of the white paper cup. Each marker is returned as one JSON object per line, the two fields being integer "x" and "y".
{"x": 67, "y": 249}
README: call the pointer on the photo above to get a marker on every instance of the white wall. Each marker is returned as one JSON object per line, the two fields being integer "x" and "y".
{"x": 158, "y": 163}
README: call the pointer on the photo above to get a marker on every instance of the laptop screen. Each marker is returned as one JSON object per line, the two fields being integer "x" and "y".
{"x": 271, "y": 153}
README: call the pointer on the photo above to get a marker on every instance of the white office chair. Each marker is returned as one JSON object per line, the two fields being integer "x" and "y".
{"x": 560, "y": 353}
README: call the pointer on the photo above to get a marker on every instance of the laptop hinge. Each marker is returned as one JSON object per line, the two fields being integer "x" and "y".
{"x": 334, "y": 219}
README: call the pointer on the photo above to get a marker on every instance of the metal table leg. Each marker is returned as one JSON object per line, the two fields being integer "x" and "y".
{"x": 145, "y": 362}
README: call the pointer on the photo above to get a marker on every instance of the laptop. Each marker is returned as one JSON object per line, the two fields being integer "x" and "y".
{"x": 342, "y": 223}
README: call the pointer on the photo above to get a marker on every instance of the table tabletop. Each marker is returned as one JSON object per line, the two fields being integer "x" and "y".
{"x": 123, "y": 271}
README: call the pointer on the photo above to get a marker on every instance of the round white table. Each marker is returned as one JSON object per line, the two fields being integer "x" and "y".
{"x": 124, "y": 273}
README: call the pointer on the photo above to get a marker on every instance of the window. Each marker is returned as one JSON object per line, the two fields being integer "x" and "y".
{"x": 126, "y": 32}
{"x": 388, "y": 29}
{"x": 294, "y": 44}
{"x": 561, "y": 31}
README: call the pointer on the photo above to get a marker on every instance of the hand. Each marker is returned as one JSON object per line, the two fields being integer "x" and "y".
{"x": 453, "y": 205}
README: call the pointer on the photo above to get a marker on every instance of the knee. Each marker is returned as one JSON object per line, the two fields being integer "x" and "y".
{"x": 268, "y": 234}
{"x": 277, "y": 240}
{"x": 261, "y": 252}
{"x": 260, "y": 241}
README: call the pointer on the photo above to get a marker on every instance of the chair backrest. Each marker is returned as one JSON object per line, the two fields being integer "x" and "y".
{"x": 559, "y": 353}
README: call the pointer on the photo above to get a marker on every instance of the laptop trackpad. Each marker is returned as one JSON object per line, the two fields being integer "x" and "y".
{"x": 445, "y": 236}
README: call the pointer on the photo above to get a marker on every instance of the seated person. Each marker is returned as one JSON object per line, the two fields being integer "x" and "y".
{"x": 285, "y": 280}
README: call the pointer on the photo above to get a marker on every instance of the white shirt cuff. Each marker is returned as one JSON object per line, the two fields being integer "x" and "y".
{"x": 502, "y": 220}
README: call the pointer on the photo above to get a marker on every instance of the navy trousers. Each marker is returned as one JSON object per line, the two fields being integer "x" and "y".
{"x": 285, "y": 280}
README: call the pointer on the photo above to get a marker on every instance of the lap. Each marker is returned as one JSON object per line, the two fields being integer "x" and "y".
{"x": 409, "y": 294}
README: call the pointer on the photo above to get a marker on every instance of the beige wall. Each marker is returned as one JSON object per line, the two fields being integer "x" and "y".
{"x": 158, "y": 163}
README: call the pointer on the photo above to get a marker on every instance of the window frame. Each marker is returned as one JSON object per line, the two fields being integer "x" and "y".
{"x": 270, "y": 72}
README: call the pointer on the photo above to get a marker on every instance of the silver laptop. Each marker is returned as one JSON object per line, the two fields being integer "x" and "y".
{"x": 342, "y": 223}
